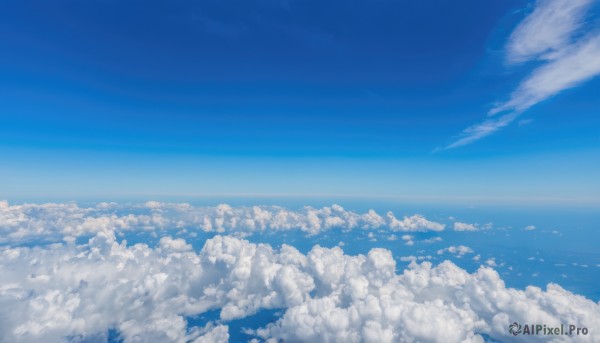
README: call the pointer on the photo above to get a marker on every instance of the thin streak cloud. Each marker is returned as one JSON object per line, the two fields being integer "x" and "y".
{"x": 549, "y": 33}
{"x": 580, "y": 64}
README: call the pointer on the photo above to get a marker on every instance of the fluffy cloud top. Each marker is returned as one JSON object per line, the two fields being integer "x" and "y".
{"x": 82, "y": 291}
{"x": 56, "y": 221}
{"x": 79, "y": 292}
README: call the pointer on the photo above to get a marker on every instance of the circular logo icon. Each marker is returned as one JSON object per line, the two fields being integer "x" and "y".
{"x": 514, "y": 328}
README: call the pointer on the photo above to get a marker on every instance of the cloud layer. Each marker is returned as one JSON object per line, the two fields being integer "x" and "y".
{"x": 80, "y": 292}
{"x": 20, "y": 223}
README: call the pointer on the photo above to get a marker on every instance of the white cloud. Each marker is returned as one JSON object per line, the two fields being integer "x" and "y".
{"x": 458, "y": 226}
{"x": 413, "y": 223}
{"x": 49, "y": 293}
{"x": 371, "y": 237}
{"x": 412, "y": 258}
{"x": 426, "y": 304}
{"x": 145, "y": 293}
{"x": 476, "y": 132}
{"x": 547, "y": 31}
{"x": 54, "y": 222}
{"x": 432, "y": 240}
{"x": 530, "y": 227}
{"x": 576, "y": 64}
{"x": 460, "y": 250}
{"x": 210, "y": 334}
{"x": 408, "y": 239}
{"x": 550, "y": 33}
{"x": 491, "y": 262}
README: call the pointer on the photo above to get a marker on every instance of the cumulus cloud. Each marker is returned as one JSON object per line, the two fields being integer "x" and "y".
{"x": 412, "y": 258}
{"x": 67, "y": 221}
{"x": 67, "y": 291}
{"x": 491, "y": 262}
{"x": 458, "y": 226}
{"x": 432, "y": 240}
{"x": 423, "y": 304}
{"x": 210, "y": 334}
{"x": 413, "y": 223}
{"x": 552, "y": 33}
{"x": 460, "y": 250}
{"x": 408, "y": 239}
{"x": 145, "y": 293}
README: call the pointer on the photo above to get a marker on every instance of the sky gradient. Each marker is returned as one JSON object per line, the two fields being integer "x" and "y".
{"x": 424, "y": 100}
{"x": 299, "y": 171}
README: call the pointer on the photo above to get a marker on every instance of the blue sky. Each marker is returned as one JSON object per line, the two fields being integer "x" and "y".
{"x": 388, "y": 98}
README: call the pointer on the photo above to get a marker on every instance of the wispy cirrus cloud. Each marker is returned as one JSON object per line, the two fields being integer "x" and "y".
{"x": 476, "y": 132}
{"x": 579, "y": 64}
{"x": 554, "y": 33}
{"x": 547, "y": 30}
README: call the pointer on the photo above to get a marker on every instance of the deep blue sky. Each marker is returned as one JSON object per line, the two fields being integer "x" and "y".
{"x": 101, "y": 98}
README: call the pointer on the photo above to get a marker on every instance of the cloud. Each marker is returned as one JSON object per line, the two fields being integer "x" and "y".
{"x": 458, "y": 226}
{"x": 55, "y": 222}
{"x": 425, "y": 304}
{"x": 547, "y": 31}
{"x": 408, "y": 239}
{"x": 415, "y": 258}
{"x": 476, "y": 132}
{"x": 491, "y": 262}
{"x": 414, "y": 223}
{"x": 49, "y": 294}
{"x": 551, "y": 33}
{"x": 577, "y": 63}
{"x": 211, "y": 334}
{"x": 460, "y": 250}
{"x": 145, "y": 293}
{"x": 432, "y": 240}
{"x": 530, "y": 228}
